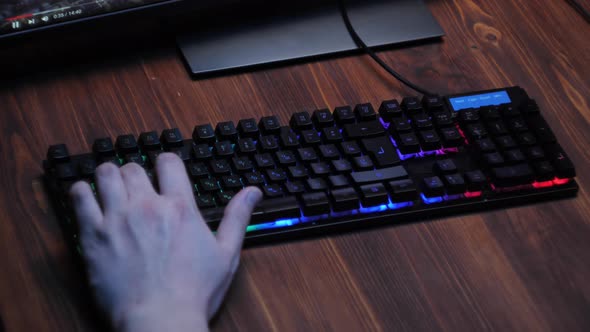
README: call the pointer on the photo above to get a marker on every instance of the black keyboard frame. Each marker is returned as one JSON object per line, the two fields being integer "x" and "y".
{"x": 489, "y": 201}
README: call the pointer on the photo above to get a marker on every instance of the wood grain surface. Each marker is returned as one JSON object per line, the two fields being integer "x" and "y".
{"x": 518, "y": 269}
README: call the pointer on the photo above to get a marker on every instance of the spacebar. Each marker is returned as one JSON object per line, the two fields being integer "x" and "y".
{"x": 275, "y": 209}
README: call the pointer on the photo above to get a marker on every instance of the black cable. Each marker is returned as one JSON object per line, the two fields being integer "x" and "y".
{"x": 580, "y": 9}
{"x": 361, "y": 44}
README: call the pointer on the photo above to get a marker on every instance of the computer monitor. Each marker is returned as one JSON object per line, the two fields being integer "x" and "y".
{"x": 215, "y": 36}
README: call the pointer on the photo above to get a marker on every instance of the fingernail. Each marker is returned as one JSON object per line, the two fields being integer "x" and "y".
{"x": 254, "y": 195}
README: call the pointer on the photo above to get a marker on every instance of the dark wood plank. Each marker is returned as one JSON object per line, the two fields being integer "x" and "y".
{"x": 522, "y": 268}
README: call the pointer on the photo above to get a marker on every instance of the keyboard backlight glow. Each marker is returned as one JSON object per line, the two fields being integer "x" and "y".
{"x": 431, "y": 200}
{"x": 560, "y": 182}
{"x": 473, "y": 194}
{"x": 545, "y": 184}
{"x": 291, "y": 222}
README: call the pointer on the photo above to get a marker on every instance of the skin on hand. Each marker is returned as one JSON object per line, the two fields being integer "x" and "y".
{"x": 153, "y": 263}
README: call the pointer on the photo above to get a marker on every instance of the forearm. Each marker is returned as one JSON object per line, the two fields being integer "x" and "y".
{"x": 163, "y": 318}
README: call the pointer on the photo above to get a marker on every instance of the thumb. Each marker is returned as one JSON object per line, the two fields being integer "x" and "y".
{"x": 231, "y": 231}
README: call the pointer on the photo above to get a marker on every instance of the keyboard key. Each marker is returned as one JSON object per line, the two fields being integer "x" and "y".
{"x": 253, "y": 179}
{"x": 429, "y": 140}
{"x": 212, "y": 217}
{"x": 345, "y": 199}
{"x": 412, "y": 105}
{"x": 527, "y": 139}
{"x": 58, "y": 154}
{"x": 381, "y": 151}
{"x": 493, "y": 159}
{"x": 205, "y": 201}
{"x": 485, "y": 145}
{"x": 320, "y": 169}
{"x": 149, "y": 141}
{"x": 208, "y": 185}
{"x": 316, "y": 184}
{"x": 342, "y": 166}
{"x": 455, "y": 184}
{"x": 298, "y": 172}
{"x": 329, "y": 151}
{"x": 365, "y": 112}
{"x": 87, "y": 167}
{"x": 350, "y": 149}
{"x": 301, "y": 121}
{"x": 400, "y": 126}
{"x": 536, "y": 153}
{"x": 476, "y": 131}
{"x": 490, "y": 113}
{"x": 381, "y": 175}
{"x": 315, "y": 203}
{"x": 476, "y": 180}
{"x": 264, "y": 160}
{"x": 338, "y": 181}
{"x": 422, "y": 122}
{"x": 220, "y": 167}
{"x": 197, "y": 170}
{"x": 343, "y": 115}
{"x": 307, "y": 155}
{"x": 563, "y": 165}
{"x": 66, "y": 171}
{"x": 323, "y": 118}
{"x": 443, "y": 119}
{"x": 127, "y": 144}
{"x": 248, "y": 128}
{"x": 514, "y": 156}
{"x": 469, "y": 115}
{"x": 363, "y": 163}
{"x": 111, "y": 159}
{"x": 246, "y": 146}
{"x": 541, "y": 129}
{"x": 444, "y": 166}
{"x": 226, "y": 131}
{"x": 363, "y": 130}
{"x": 408, "y": 143}
{"x": 134, "y": 158}
{"x": 433, "y": 103}
{"x": 497, "y": 128}
{"x": 286, "y": 158}
{"x": 295, "y": 187}
{"x": 517, "y": 125}
{"x": 506, "y": 142}
{"x": 272, "y": 190}
{"x": 374, "y": 195}
{"x": 231, "y": 182}
{"x": 242, "y": 164}
{"x": 513, "y": 175}
{"x": 451, "y": 137}
{"x": 171, "y": 138}
{"x": 223, "y": 198}
{"x": 276, "y": 208}
{"x": 183, "y": 152}
{"x": 544, "y": 171}
{"x": 288, "y": 138}
{"x": 276, "y": 175}
{"x": 269, "y": 125}
{"x": 268, "y": 143}
{"x": 332, "y": 135}
{"x": 508, "y": 110}
{"x": 203, "y": 134}
{"x": 433, "y": 187}
{"x": 223, "y": 149}
{"x": 389, "y": 110}
{"x": 103, "y": 147}
{"x": 403, "y": 191}
{"x": 310, "y": 137}
{"x": 202, "y": 152}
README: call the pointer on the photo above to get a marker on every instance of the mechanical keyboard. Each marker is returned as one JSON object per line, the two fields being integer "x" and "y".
{"x": 351, "y": 167}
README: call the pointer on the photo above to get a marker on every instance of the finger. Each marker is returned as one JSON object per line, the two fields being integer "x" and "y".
{"x": 111, "y": 188}
{"x": 137, "y": 183}
{"x": 172, "y": 177}
{"x": 86, "y": 208}
{"x": 231, "y": 231}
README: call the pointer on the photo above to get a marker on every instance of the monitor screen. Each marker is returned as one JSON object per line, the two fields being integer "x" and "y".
{"x": 24, "y": 15}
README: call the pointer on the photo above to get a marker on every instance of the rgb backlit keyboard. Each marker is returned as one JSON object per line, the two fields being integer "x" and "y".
{"x": 350, "y": 167}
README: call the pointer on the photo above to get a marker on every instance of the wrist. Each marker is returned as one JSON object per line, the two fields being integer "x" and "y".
{"x": 162, "y": 317}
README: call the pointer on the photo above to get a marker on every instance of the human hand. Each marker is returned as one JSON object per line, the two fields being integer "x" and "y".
{"x": 152, "y": 262}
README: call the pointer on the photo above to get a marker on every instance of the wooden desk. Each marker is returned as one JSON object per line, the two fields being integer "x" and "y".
{"x": 519, "y": 269}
